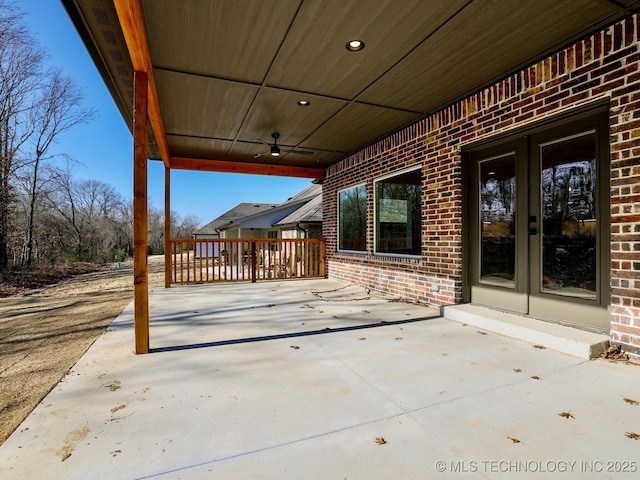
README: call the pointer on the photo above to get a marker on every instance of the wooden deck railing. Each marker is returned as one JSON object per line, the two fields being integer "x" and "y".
{"x": 200, "y": 260}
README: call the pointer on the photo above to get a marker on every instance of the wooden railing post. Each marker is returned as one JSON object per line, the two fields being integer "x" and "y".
{"x": 254, "y": 262}
{"x": 323, "y": 260}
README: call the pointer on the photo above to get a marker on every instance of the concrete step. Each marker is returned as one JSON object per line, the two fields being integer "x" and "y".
{"x": 573, "y": 341}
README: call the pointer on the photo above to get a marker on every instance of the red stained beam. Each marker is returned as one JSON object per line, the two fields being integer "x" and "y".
{"x": 222, "y": 166}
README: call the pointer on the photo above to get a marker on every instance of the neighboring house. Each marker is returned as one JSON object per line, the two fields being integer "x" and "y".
{"x": 298, "y": 217}
{"x": 212, "y": 229}
{"x": 269, "y": 223}
{"x": 305, "y": 222}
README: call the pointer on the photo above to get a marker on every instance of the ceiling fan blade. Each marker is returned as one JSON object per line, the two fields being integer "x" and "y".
{"x": 258, "y": 155}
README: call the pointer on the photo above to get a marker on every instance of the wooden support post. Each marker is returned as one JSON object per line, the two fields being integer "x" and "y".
{"x": 167, "y": 227}
{"x": 140, "y": 220}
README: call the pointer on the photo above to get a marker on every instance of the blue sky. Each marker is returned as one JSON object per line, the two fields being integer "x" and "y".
{"x": 104, "y": 147}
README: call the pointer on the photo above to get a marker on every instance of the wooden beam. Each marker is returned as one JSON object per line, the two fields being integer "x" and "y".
{"x": 222, "y": 166}
{"x": 140, "y": 220}
{"x": 167, "y": 227}
{"x": 135, "y": 35}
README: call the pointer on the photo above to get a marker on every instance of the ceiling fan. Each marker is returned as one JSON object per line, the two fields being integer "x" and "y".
{"x": 275, "y": 151}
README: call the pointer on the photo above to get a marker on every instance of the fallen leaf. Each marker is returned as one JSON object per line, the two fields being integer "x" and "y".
{"x": 481, "y": 333}
{"x": 566, "y": 415}
{"x": 536, "y": 377}
{"x": 271, "y": 305}
{"x": 615, "y": 353}
{"x": 362, "y": 338}
{"x": 366, "y": 311}
{"x": 632, "y": 436}
{"x": 514, "y": 440}
{"x": 295, "y": 347}
{"x": 631, "y": 402}
{"x": 380, "y": 440}
{"x": 398, "y": 338}
{"x": 119, "y": 407}
{"x": 517, "y": 370}
{"x": 113, "y": 386}
{"x": 541, "y": 347}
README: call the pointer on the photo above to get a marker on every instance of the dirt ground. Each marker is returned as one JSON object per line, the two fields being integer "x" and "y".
{"x": 44, "y": 333}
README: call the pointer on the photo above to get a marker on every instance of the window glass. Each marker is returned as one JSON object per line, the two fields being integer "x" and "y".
{"x": 352, "y": 217}
{"x": 569, "y": 222}
{"x": 498, "y": 220}
{"x": 398, "y": 216}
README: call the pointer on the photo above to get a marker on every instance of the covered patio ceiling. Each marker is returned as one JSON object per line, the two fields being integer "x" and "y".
{"x": 227, "y": 74}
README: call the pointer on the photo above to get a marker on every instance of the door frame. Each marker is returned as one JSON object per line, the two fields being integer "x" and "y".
{"x": 580, "y": 119}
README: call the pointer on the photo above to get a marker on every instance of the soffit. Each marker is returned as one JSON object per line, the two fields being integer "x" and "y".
{"x": 229, "y": 73}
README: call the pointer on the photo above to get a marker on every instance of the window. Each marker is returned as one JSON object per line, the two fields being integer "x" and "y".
{"x": 352, "y": 218}
{"x": 398, "y": 216}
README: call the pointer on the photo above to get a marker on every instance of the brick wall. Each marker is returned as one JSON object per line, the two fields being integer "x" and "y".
{"x": 603, "y": 66}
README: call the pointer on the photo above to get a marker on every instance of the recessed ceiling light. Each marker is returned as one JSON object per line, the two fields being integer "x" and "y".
{"x": 304, "y": 103}
{"x": 355, "y": 45}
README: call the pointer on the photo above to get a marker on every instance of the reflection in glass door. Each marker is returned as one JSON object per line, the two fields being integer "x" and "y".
{"x": 498, "y": 221}
{"x": 498, "y": 202}
{"x": 569, "y": 216}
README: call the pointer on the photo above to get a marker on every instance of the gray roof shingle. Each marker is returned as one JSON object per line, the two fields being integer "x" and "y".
{"x": 239, "y": 211}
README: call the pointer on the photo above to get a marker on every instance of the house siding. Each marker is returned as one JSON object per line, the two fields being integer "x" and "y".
{"x": 604, "y": 67}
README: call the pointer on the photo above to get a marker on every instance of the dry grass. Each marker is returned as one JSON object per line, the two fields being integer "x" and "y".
{"x": 43, "y": 334}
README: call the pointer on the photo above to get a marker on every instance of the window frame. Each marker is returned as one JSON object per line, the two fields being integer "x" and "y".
{"x": 366, "y": 219}
{"x": 376, "y": 181}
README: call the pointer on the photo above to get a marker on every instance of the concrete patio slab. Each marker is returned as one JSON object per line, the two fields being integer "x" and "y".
{"x": 303, "y": 379}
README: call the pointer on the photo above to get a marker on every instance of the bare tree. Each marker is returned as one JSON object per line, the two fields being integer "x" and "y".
{"x": 183, "y": 227}
{"x": 156, "y": 230}
{"x": 94, "y": 214}
{"x": 20, "y": 64}
{"x": 57, "y": 110}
